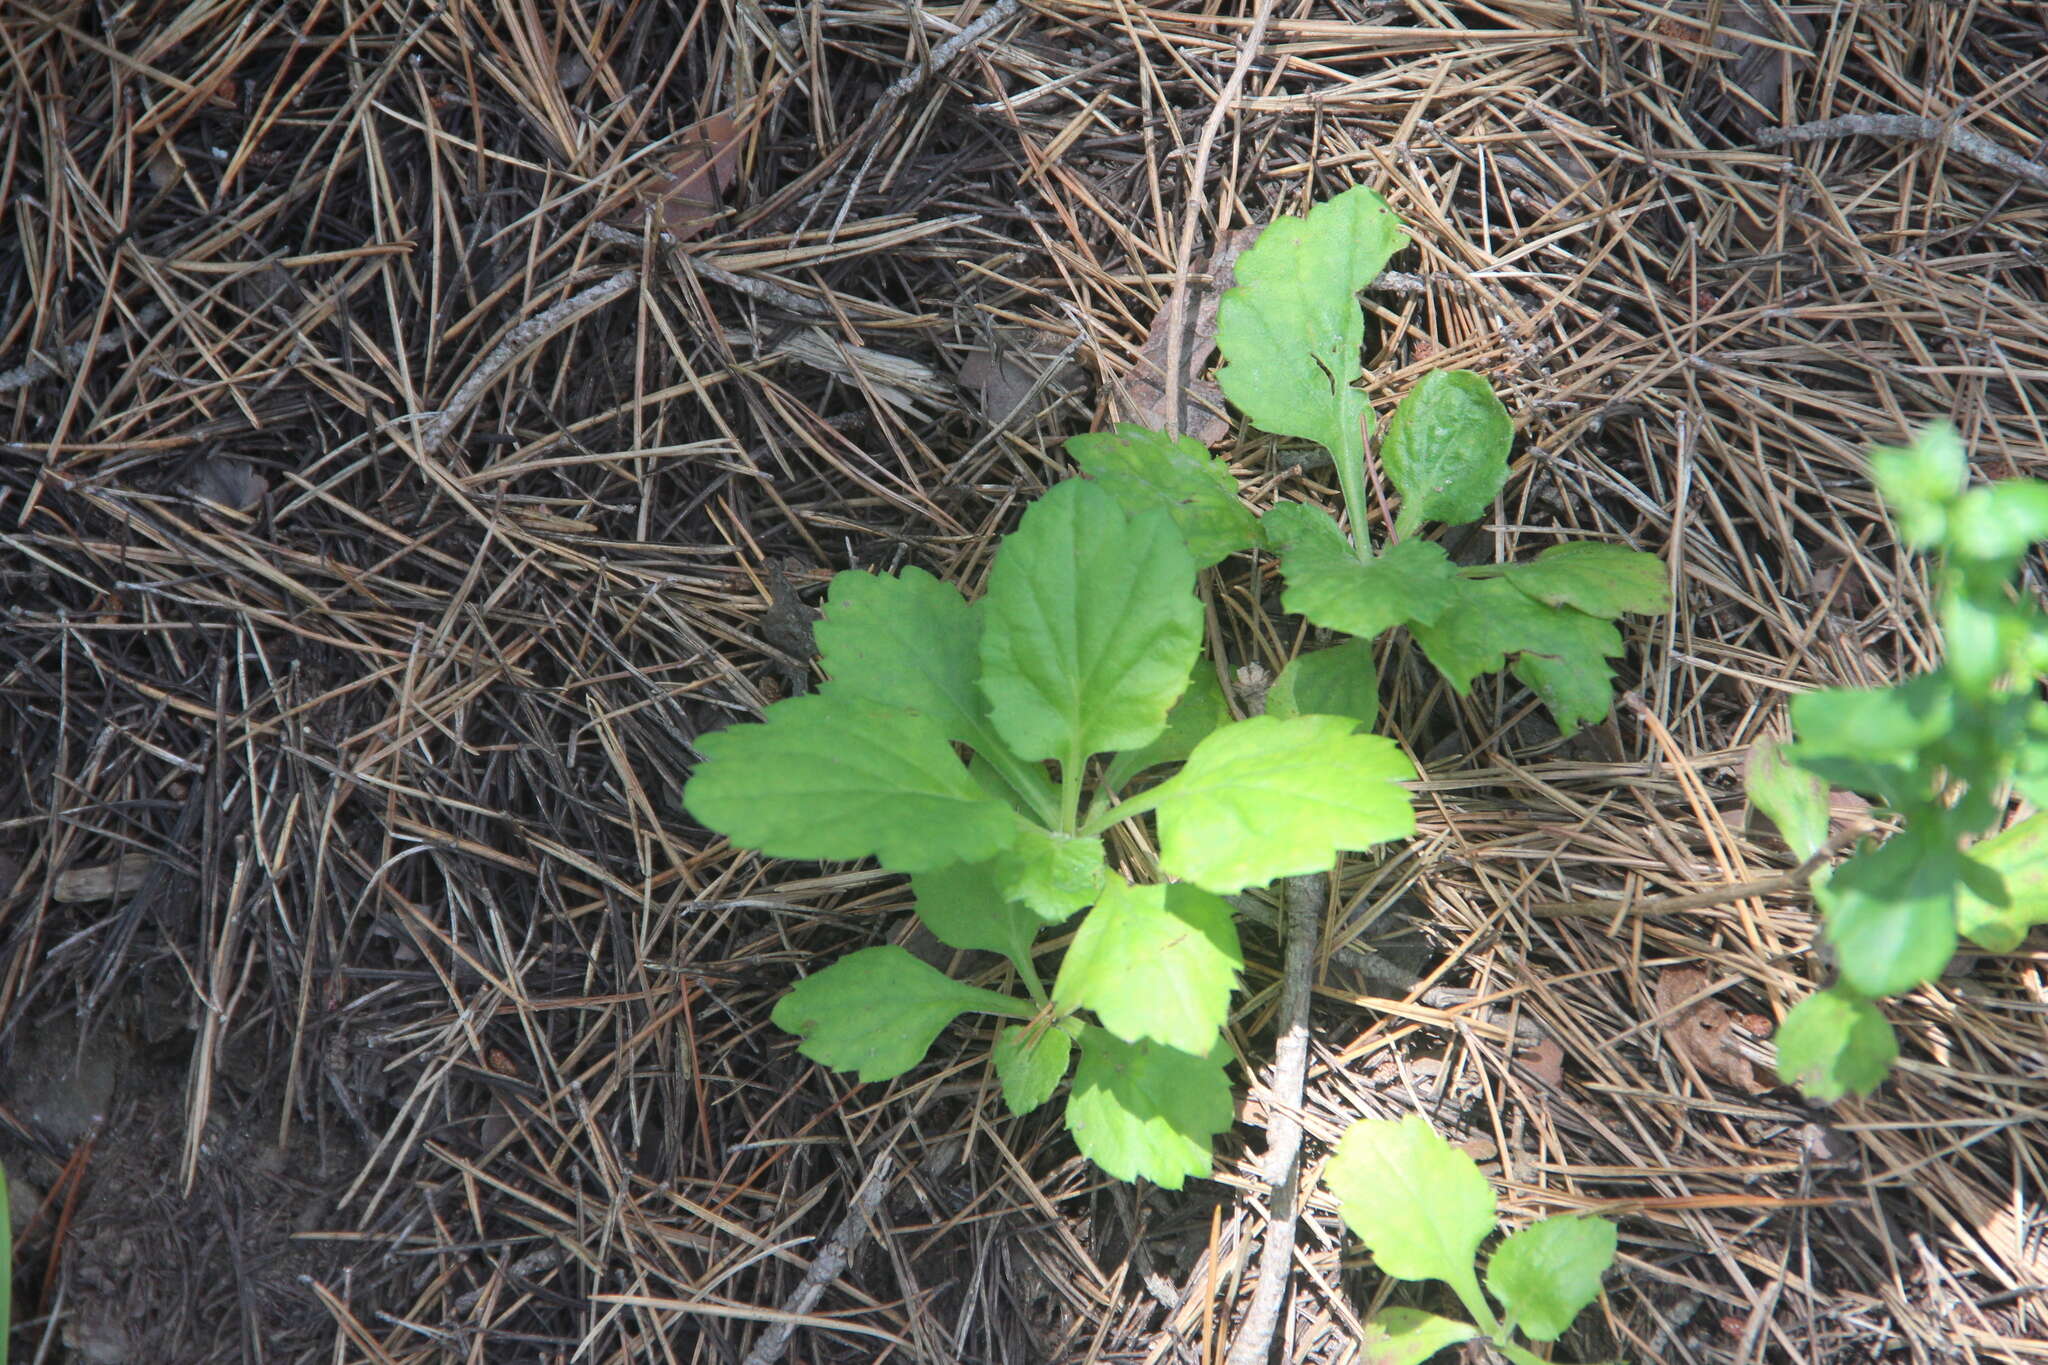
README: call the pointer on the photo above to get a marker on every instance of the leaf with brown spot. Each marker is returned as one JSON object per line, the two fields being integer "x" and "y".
{"x": 1703, "y": 1032}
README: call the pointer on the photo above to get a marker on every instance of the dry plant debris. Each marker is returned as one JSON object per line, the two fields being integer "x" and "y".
{"x": 426, "y": 978}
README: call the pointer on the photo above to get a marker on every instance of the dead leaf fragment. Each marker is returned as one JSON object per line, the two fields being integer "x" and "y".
{"x": 1704, "y": 1033}
{"x": 1202, "y": 411}
{"x": 102, "y": 881}
{"x": 688, "y": 194}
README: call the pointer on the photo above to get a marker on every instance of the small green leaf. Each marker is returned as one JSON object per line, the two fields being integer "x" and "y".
{"x": 1144, "y": 1109}
{"x": 1795, "y": 800}
{"x": 1090, "y": 626}
{"x": 1999, "y": 522}
{"x": 1270, "y": 798}
{"x": 1563, "y": 652}
{"x": 1598, "y": 579}
{"x": 1154, "y": 962}
{"x": 2019, "y": 854}
{"x": 1327, "y": 583}
{"x": 1548, "y": 1272}
{"x": 1920, "y": 482}
{"x": 1030, "y": 1060}
{"x": 1053, "y": 875}
{"x": 1145, "y": 469}
{"x": 1835, "y": 1043}
{"x": 1884, "y": 724}
{"x": 965, "y": 909}
{"x": 1409, "y": 1336}
{"x": 831, "y": 778}
{"x": 1339, "y": 681}
{"x": 1446, "y": 449}
{"x": 1419, "y": 1204}
{"x": 877, "y": 1011}
{"x": 908, "y": 642}
{"x": 1291, "y": 331}
{"x": 1891, "y": 912}
{"x": 1200, "y": 710}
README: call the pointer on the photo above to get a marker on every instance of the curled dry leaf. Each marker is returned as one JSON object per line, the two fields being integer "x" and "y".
{"x": 689, "y": 192}
{"x": 1704, "y": 1033}
{"x": 1202, "y": 411}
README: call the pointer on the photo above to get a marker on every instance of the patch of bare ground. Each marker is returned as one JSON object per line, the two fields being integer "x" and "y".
{"x": 420, "y": 421}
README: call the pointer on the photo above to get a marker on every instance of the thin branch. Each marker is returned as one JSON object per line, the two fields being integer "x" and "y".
{"x": 829, "y": 1263}
{"x": 39, "y": 367}
{"x": 1306, "y": 898}
{"x": 1918, "y": 127}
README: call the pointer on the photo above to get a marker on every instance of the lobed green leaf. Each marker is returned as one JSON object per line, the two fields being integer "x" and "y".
{"x": 1154, "y": 962}
{"x": 1145, "y": 1109}
{"x": 1413, "y": 581}
{"x": 1419, "y": 1204}
{"x": 1835, "y": 1043}
{"x": 1999, "y": 522}
{"x": 1598, "y": 579}
{"x": 1291, "y": 332}
{"x": 1547, "y": 1273}
{"x": 1089, "y": 628}
{"x": 910, "y": 642}
{"x": 1446, "y": 449}
{"x": 833, "y": 778}
{"x": 1145, "y": 469}
{"x": 1562, "y": 652}
{"x": 877, "y": 1011}
{"x": 1269, "y": 798}
{"x": 1030, "y": 1060}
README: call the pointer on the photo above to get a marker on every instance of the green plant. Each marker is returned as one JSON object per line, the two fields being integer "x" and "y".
{"x": 1423, "y": 1209}
{"x": 1941, "y": 751}
{"x": 959, "y": 742}
{"x": 1086, "y": 643}
{"x": 1290, "y": 335}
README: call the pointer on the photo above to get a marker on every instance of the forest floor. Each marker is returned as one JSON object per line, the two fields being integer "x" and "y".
{"x": 423, "y": 420}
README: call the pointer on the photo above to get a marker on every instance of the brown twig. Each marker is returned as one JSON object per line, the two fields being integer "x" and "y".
{"x": 828, "y": 1264}
{"x": 1918, "y": 127}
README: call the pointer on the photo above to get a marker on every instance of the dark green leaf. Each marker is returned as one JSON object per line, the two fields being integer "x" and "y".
{"x": 1200, "y": 710}
{"x": 965, "y": 909}
{"x": 1563, "y": 652}
{"x": 877, "y": 1011}
{"x": 1446, "y": 449}
{"x": 1145, "y": 469}
{"x": 1412, "y": 581}
{"x": 1891, "y": 912}
{"x": 1795, "y": 800}
{"x": 1600, "y": 580}
{"x": 1339, "y": 681}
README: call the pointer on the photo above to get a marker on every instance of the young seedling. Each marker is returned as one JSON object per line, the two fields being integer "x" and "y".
{"x": 1941, "y": 751}
{"x": 1291, "y": 335}
{"x": 1423, "y": 1209}
{"x": 1086, "y": 644}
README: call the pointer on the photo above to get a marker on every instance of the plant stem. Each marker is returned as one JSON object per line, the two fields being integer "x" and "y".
{"x": 1070, "y": 791}
{"x": 1350, "y": 457}
{"x": 1028, "y": 783}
